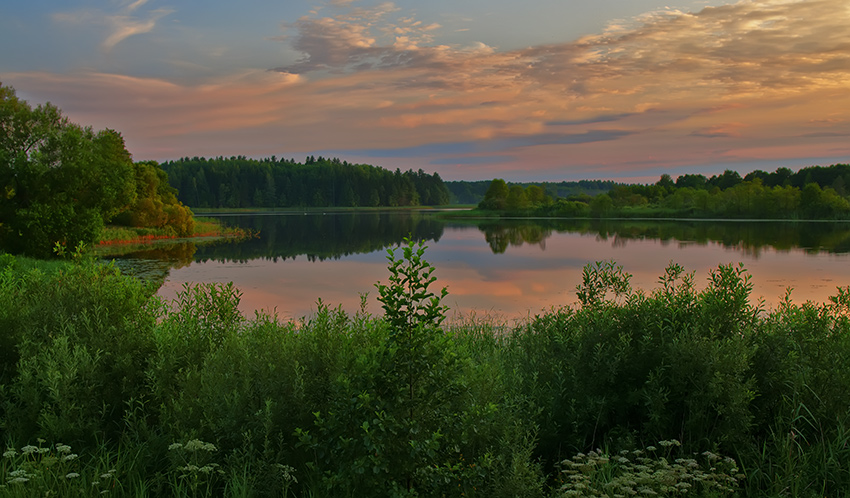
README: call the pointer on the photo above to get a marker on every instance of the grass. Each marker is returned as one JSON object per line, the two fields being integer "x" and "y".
{"x": 191, "y": 398}
{"x": 204, "y": 227}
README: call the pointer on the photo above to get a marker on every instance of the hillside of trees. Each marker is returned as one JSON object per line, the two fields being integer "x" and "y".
{"x": 240, "y": 182}
{"x": 61, "y": 182}
{"x": 814, "y": 192}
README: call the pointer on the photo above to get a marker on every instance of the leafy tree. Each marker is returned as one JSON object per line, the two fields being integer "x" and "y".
{"x": 666, "y": 182}
{"x": 155, "y": 203}
{"x": 496, "y": 196}
{"x": 728, "y": 179}
{"x": 537, "y": 195}
{"x": 517, "y": 199}
{"x": 60, "y": 181}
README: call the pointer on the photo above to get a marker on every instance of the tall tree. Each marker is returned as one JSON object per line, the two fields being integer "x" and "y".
{"x": 60, "y": 181}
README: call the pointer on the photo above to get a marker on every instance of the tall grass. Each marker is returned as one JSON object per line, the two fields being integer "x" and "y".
{"x": 191, "y": 398}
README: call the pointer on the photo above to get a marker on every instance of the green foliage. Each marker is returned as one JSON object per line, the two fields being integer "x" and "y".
{"x": 598, "y": 279}
{"x": 155, "y": 203}
{"x": 514, "y": 199}
{"x": 406, "y": 300}
{"x": 61, "y": 182}
{"x": 239, "y": 182}
{"x": 193, "y": 472}
{"x": 811, "y": 193}
{"x": 51, "y": 470}
{"x": 407, "y": 405}
{"x": 649, "y": 472}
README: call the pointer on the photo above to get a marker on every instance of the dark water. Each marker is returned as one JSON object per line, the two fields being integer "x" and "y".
{"x": 509, "y": 268}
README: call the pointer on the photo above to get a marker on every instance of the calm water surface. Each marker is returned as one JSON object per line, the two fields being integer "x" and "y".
{"x": 510, "y": 269}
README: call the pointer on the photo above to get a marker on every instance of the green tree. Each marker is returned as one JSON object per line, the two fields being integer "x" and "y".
{"x": 517, "y": 199}
{"x": 496, "y": 196}
{"x": 60, "y": 181}
{"x": 155, "y": 203}
{"x": 601, "y": 205}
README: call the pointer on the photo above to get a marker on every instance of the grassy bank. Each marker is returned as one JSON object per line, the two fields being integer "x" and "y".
{"x": 629, "y": 392}
{"x": 203, "y": 227}
{"x": 328, "y": 209}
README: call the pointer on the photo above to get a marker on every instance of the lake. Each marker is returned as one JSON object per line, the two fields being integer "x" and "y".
{"x": 509, "y": 269}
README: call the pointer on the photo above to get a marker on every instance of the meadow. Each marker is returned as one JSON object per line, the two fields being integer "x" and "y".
{"x": 106, "y": 389}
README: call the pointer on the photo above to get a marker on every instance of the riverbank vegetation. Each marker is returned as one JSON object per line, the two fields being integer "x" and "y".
{"x": 201, "y": 227}
{"x": 61, "y": 183}
{"x": 106, "y": 388}
{"x": 810, "y": 193}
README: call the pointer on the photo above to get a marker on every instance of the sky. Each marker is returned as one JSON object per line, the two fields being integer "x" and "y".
{"x": 540, "y": 90}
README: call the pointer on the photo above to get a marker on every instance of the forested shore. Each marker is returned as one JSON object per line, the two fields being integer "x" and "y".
{"x": 106, "y": 388}
{"x": 240, "y": 182}
{"x": 812, "y": 193}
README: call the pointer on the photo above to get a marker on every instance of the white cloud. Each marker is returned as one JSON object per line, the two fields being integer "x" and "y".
{"x": 127, "y": 22}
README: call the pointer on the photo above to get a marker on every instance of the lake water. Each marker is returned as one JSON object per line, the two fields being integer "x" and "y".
{"x": 510, "y": 268}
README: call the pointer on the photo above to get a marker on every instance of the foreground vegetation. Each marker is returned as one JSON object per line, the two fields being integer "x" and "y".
{"x": 106, "y": 389}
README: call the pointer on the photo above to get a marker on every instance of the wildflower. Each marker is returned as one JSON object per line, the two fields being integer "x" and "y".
{"x": 28, "y": 449}
{"x": 63, "y": 448}
{"x": 72, "y": 475}
{"x": 174, "y": 446}
{"x": 68, "y": 458}
{"x": 10, "y": 453}
{"x": 651, "y": 448}
{"x": 197, "y": 444}
{"x": 18, "y": 480}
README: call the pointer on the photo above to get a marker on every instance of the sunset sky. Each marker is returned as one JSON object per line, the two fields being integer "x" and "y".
{"x": 472, "y": 89}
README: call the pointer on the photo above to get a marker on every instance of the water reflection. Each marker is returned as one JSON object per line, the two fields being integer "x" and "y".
{"x": 320, "y": 237}
{"x": 750, "y": 237}
{"x": 509, "y": 267}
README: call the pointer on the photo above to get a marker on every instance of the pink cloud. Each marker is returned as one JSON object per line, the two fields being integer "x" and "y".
{"x": 670, "y": 88}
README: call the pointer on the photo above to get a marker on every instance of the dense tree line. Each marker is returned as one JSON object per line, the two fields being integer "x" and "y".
{"x": 240, "y": 182}
{"x": 60, "y": 182}
{"x": 811, "y": 193}
{"x": 472, "y": 192}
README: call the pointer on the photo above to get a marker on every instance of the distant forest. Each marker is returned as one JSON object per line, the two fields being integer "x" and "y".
{"x": 239, "y": 182}
{"x": 472, "y": 192}
{"x": 814, "y": 192}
